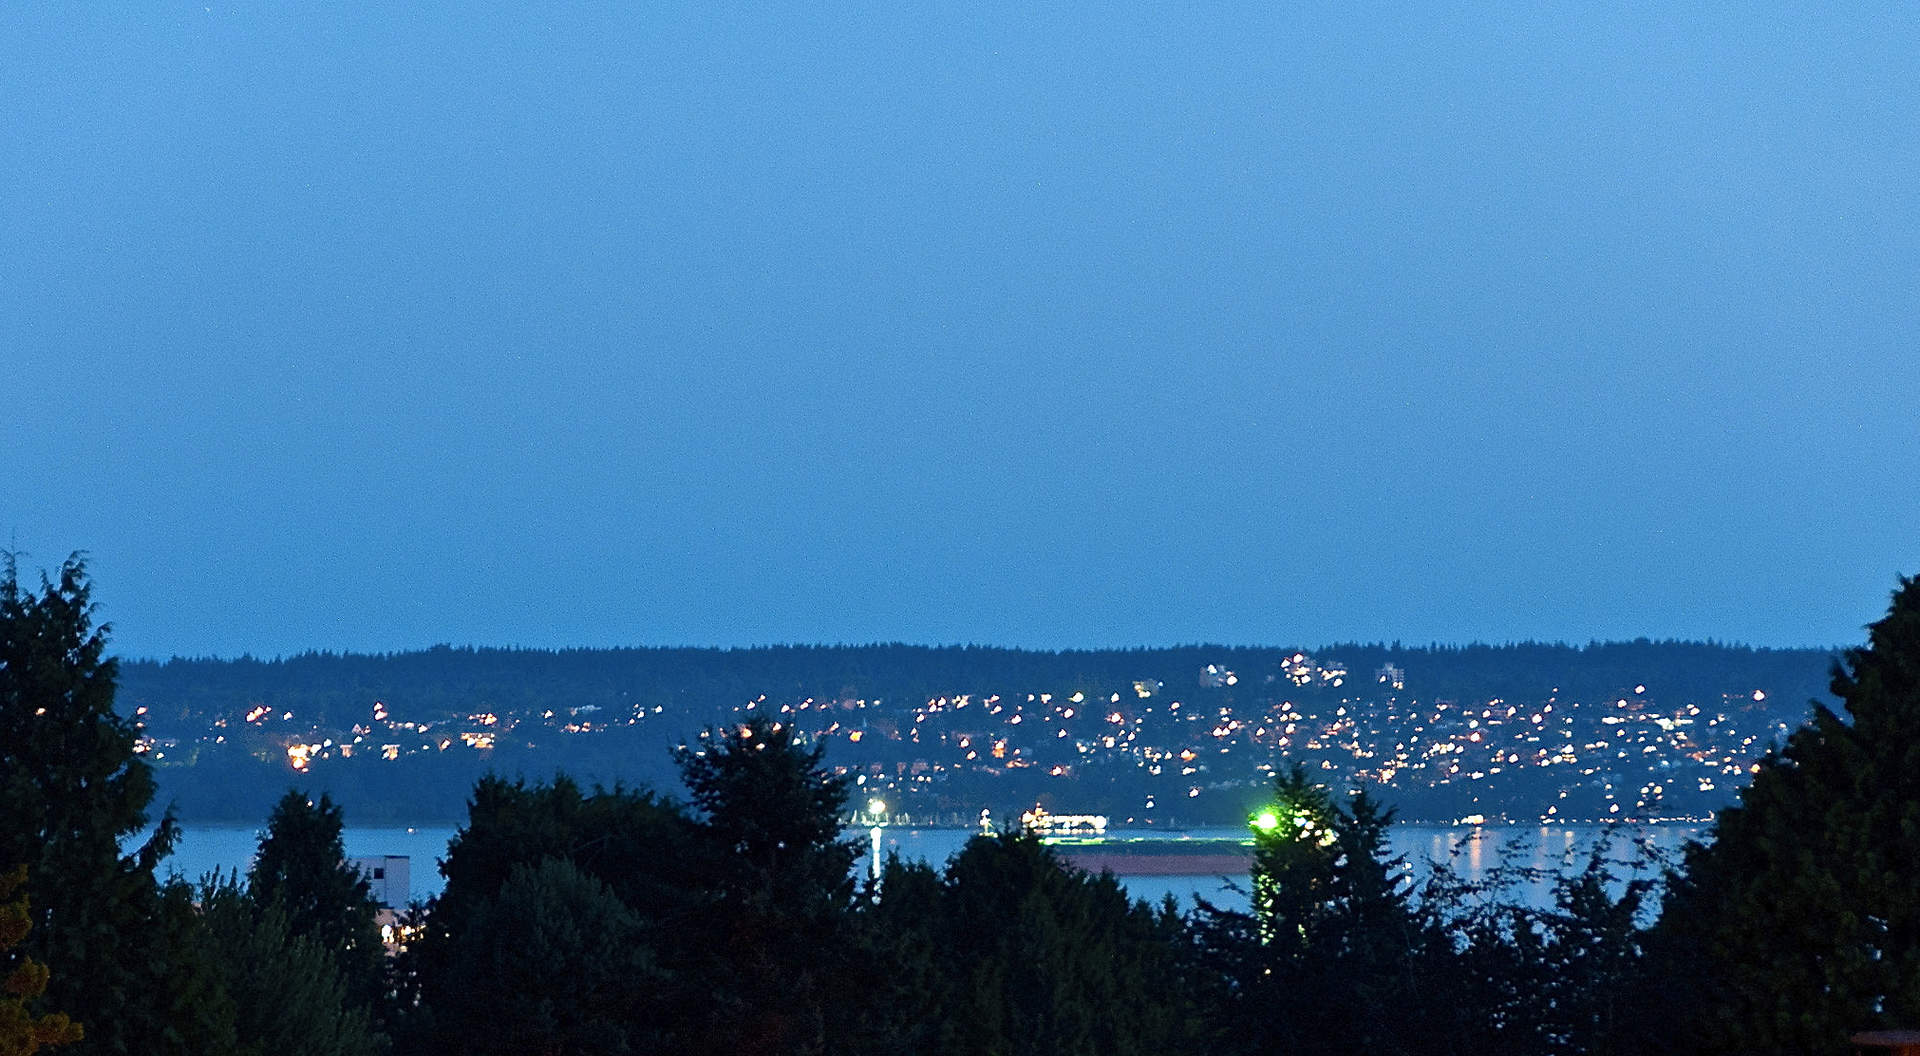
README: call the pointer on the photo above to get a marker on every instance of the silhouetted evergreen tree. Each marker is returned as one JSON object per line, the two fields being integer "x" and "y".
{"x": 1594, "y": 973}
{"x": 301, "y": 868}
{"x": 770, "y": 813}
{"x": 1799, "y": 921}
{"x": 776, "y": 810}
{"x": 898, "y": 975}
{"x": 121, "y": 950}
{"x": 1333, "y": 937}
{"x": 1024, "y": 954}
{"x": 644, "y": 851}
{"x": 289, "y": 996}
{"x": 1565, "y": 978}
{"x": 551, "y": 963}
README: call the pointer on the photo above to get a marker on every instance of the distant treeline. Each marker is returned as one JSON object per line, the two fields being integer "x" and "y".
{"x": 682, "y": 690}
{"x": 335, "y": 688}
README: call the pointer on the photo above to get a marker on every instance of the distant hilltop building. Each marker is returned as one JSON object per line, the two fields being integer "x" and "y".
{"x": 1391, "y": 675}
{"x": 1214, "y": 676}
{"x": 1303, "y": 670}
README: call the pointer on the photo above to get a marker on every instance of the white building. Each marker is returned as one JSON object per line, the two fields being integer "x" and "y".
{"x": 389, "y": 876}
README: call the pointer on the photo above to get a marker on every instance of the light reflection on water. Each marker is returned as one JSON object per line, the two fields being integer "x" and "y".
{"x": 1473, "y": 853}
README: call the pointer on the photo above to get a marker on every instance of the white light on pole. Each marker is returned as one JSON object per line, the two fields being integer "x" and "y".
{"x": 876, "y": 809}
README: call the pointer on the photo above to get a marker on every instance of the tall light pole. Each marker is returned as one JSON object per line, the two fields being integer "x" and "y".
{"x": 876, "y": 812}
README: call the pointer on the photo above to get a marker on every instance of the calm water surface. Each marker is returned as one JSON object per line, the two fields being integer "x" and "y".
{"x": 1473, "y": 853}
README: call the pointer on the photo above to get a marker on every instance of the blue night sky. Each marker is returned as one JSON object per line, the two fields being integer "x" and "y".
{"x": 340, "y": 326}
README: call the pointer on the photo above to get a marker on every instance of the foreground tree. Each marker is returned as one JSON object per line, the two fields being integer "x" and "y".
{"x": 905, "y": 980}
{"x": 1333, "y": 936}
{"x": 773, "y": 806}
{"x": 22, "y": 1032}
{"x": 1799, "y": 921}
{"x": 1038, "y": 957}
{"x": 1535, "y": 980}
{"x": 552, "y": 963}
{"x": 1593, "y": 959}
{"x": 769, "y": 814}
{"x": 539, "y": 881}
{"x": 287, "y": 990}
{"x": 72, "y": 791}
{"x": 302, "y": 870}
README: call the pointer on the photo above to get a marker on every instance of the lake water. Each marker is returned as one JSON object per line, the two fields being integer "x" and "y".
{"x": 1474, "y": 853}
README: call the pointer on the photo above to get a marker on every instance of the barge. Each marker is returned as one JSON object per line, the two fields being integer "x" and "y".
{"x": 1082, "y": 840}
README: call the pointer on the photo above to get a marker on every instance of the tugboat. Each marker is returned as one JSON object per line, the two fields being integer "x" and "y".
{"x": 1082, "y": 841}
